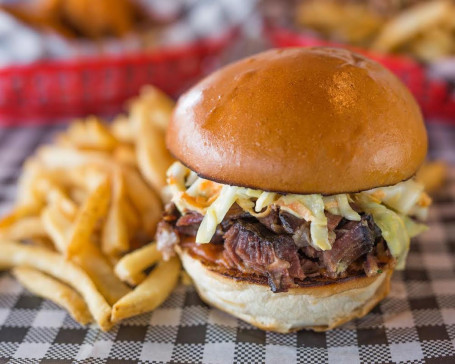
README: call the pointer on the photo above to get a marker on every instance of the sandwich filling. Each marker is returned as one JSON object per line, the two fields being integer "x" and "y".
{"x": 287, "y": 238}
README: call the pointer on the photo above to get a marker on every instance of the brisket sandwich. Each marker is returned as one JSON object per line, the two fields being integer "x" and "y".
{"x": 293, "y": 198}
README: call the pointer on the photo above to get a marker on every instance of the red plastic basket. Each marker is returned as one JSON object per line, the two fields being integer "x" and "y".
{"x": 435, "y": 96}
{"x": 50, "y": 90}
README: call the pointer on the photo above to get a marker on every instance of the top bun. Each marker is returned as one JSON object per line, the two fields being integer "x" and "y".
{"x": 300, "y": 120}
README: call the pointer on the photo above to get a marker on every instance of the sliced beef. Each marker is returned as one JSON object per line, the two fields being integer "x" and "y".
{"x": 278, "y": 247}
{"x": 251, "y": 246}
{"x": 332, "y": 221}
{"x": 290, "y": 222}
{"x": 272, "y": 221}
{"x": 302, "y": 236}
{"x": 310, "y": 268}
{"x": 235, "y": 213}
{"x": 353, "y": 240}
{"x": 188, "y": 224}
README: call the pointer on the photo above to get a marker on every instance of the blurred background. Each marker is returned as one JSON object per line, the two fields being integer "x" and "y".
{"x": 66, "y": 58}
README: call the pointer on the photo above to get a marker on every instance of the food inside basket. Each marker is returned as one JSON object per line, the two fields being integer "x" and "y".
{"x": 422, "y": 29}
{"x": 108, "y": 18}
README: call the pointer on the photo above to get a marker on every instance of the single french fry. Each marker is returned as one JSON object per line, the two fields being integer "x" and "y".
{"x": 130, "y": 268}
{"x": 94, "y": 209}
{"x": 47, "y": 287}
{"x": 131, "y": 215}
{"x": 25, "y": 228}
{"x": 19, "y": 212}
{"x": 57, "y": 226}
{"x": 185, "y": 279}
{"x": 115, "y": 236}
{"x": 157, "y": 104}
{"x": 432, "y": 175}
{"x": 144, "y": 199}
{"x": 152, "y": 155}
{"x": 92, "y": 261}
{"x": 122, "y": 129}
{"x": 54, "y": 264}
{"x": 26, "y": 194}
{"x": 150, "y": 293}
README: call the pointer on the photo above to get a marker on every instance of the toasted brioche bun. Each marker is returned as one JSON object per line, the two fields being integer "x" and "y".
{"x": 300, "y": 120}
{"x": 317, "y": 307}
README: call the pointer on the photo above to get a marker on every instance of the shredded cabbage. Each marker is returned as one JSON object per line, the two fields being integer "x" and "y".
{"x": 215, "y": 214}
{"x": 310, "y": 208}
{"x": 265, "y": 199}
{"x": 413, "y": 228}
{"x": 392, "y": 227}
{"x": 389, "y": 206}
{"x": 339, "y": 205}
{"x": 176, "y": 177}
{"x": 401, "y": 197}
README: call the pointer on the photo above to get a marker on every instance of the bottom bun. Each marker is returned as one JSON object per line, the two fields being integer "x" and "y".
{"x": 317, "y": 306}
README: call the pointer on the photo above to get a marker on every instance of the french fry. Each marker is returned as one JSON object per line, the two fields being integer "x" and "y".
{"x": 131, "y": 267}
{"x": 54, "y": 264}
{"x": 83, "y": 203}
{"x": 89, "y": 134}
{"x": 47, "y": 287}
{"x": 150, "y": 293}
{"x": 122, "y": 129}
{"x": 89, "y": 258}
{"x": 57, "y": 226}
{"x": 144, "y": 199}
{"x": 20, "y": 212}
{"x": 26, "y": 194}
{"x": 186, "y": 279}
{"x": 94, "y": 208}
{"x": 25, "y": 228}
{"x": 92, "y": 261}
{"x": 131, "y": 215}
{"x": 36, "y": 181}
{"x": 410, "y": 23}
{"x": 115, "y": 236}
{"x": 57, "y": 157}
{"x": 152, "y": 155}
{"x": 78, "y": 195}
{"x": 157, "y": 105}
{"x": 433, "y": 44}
{"x": 54, "y": 194}
{"x": 432, "y": 175}
{"x": 352, "y": 22}
{"x": 125, "y": 154}
{"x": 43, "y": 242}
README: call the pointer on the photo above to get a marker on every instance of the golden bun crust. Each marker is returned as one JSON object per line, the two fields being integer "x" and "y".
{"x": 300, "y": 120}
{"x": 319, "y": 308}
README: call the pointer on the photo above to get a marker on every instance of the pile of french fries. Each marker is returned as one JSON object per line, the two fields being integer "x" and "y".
{"x": 425, "y": 30}
{"x": 81, "y": 231}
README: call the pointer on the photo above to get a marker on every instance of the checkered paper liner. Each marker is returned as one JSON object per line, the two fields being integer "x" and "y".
{"x": 415, "y": 324}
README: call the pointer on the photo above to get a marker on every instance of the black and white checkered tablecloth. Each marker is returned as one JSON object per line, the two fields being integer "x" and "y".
{"x": 415, "y": 324}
